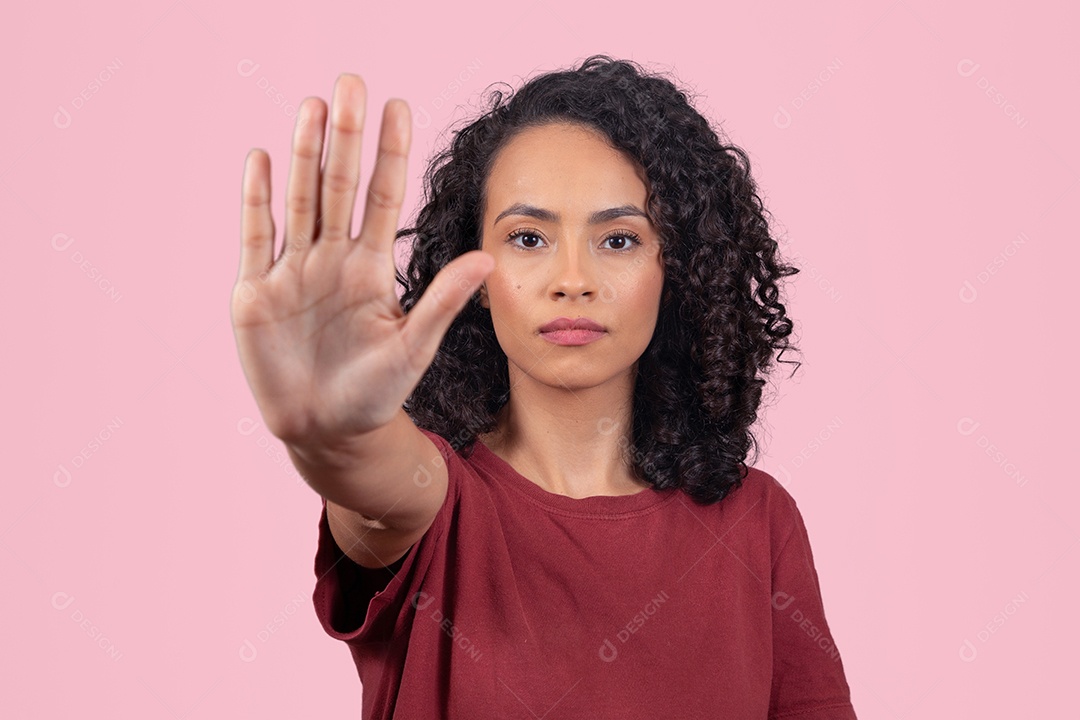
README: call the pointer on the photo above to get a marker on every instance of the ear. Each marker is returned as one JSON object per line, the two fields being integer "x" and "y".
{"x": 484, "y": 297}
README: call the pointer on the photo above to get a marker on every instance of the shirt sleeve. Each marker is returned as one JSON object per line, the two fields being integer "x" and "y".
{"x": 356, "y": 604}
{"x": 808, "y": 674}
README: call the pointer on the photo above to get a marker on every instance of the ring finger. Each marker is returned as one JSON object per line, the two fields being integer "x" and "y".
{"x": 302, "y": 193}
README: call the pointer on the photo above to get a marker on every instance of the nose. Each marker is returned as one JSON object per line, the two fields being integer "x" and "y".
{"x": 574, "y": 271}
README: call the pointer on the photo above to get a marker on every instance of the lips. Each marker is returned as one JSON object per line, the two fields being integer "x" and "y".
{"x": 581, "y": 323}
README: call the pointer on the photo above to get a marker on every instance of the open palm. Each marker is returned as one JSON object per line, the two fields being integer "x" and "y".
{"x": 325, "y": 346}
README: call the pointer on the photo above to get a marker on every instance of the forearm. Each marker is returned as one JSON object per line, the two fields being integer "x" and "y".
{"x": 393, "y": 474}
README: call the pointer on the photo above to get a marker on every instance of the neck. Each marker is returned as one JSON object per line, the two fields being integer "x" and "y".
{"x": 568, "y": 441}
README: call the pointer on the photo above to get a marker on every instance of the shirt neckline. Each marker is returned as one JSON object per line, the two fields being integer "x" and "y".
{"x": 606, "y": 505}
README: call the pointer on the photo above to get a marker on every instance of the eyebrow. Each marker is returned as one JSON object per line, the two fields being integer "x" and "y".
{"x": 600, "y": 216}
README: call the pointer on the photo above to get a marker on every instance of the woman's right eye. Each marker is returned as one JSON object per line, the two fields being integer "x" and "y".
{"x": 528, "y": 236}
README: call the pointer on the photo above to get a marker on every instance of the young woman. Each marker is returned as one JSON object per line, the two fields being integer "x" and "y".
{"x": 532, "y": 465}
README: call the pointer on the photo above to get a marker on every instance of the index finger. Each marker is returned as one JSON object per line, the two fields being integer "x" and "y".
{"x": 386, "y": 192}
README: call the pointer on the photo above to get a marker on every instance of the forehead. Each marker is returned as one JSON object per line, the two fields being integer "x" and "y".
{"x": 566, "y": 166}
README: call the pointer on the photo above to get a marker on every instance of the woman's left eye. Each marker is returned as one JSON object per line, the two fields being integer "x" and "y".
{"x": 628, "y": 239}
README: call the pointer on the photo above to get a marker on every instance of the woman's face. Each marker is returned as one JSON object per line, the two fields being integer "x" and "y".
{"x": 565, "y": 220}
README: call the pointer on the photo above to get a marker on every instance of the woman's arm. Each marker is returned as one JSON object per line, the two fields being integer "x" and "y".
{"x": 382, "y": 492}
{"x": 325, "y": 345}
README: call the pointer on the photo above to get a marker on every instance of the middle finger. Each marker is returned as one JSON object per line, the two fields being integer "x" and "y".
{"x": 341, "y": 177}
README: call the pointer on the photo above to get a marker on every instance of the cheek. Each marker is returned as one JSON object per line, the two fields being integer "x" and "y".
{"x": 503, "y": 287}
{"x": 505, "y": 296}
{"x": 640, "y": 288}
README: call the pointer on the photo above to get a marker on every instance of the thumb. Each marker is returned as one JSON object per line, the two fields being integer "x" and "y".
{"x": 451, "y": 288}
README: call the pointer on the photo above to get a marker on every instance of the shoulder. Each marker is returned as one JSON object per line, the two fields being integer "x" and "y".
{"x": 459, "y": 465}
{"x": 445, "y": 449}
{"x": 451, "y": 458}
{"x": 763, "y": 500}
{"x": 760, "y": 488}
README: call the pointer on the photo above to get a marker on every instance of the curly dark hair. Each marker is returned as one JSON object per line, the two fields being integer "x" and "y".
{"x": 699, "y": 381}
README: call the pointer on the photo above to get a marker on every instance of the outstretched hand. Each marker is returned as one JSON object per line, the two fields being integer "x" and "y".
{"x": 325, "y": 346}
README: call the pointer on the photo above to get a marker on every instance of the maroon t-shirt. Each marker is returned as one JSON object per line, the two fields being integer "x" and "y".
{"x": 521, "y": 603}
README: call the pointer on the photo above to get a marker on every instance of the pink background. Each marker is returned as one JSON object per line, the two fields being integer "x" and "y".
{"x": 922, "y": 164}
